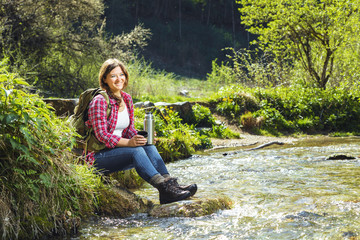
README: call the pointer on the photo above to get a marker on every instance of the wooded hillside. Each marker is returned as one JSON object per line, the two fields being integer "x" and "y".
{"x": 186, "y": 34}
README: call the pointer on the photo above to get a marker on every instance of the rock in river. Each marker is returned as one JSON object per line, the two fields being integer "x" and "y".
{"x": 191, "y": 208}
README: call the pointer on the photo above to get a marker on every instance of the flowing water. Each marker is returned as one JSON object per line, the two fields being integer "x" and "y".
{"x": 279, "y": 192}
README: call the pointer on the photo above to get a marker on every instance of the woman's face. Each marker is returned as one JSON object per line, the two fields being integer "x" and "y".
{"x": 115, "y": 80}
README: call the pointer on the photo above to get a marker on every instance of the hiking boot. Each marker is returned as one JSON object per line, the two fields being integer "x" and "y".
{"x": 192, "y": 188}
{"x": 168, "y": 193}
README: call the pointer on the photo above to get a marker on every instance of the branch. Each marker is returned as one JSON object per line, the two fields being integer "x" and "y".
{"x": 265, "y": 145}
{"x": 255, "y": 148}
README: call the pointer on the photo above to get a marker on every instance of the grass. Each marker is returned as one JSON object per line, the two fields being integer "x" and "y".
{"x": 149, "y": 84}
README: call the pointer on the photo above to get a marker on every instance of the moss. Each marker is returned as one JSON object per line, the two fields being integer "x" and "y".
{"x": 127, "y": 179}
{"x": 192, "y": 208}
{"x": 121, "y": 202}
{"x": 64, "y": 224}
{"x": 27, "y": 226}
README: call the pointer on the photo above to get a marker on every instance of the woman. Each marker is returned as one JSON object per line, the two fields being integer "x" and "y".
{"x": 125, "y": 148}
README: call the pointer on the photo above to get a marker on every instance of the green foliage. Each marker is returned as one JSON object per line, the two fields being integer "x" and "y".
{"x": 309, "y": 32}
{"x": 37, "y": 185}
{"x": 233, "y": 101}
{"x": 203, "y": 116}
{"x": 221, "y": 76}
{"x": 206, "y": 124}
{"x": 181, "y": 139}
{"x": 274, "y": 120}
{"x": 250, "y": 122}
{"x": 177, "y": 139}
{"x": 299, "y": 109}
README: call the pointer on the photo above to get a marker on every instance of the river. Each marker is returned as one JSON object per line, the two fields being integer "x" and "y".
{"x": 280, "y": 192}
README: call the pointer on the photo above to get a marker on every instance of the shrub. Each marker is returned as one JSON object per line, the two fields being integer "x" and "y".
{"x": 233, "y": 101}
{"x": 40, "y": 192}
{"x": 249, "y": 122}
{"x": 203, "y": 116}
{"x": 306, "y": 125}
{"x": 273, "y": 119}
{"x": 206, "y": 124}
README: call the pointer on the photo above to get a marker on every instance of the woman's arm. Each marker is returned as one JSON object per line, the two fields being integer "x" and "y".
{"x": 99, "y": 121}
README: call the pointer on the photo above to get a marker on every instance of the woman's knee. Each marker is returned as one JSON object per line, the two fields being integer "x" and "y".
{"x": 139, "y": 152}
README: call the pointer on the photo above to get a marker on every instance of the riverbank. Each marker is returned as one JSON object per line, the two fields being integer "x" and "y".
{"x": 246, "y": 138}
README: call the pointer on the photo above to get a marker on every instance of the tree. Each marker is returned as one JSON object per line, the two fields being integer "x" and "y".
{"x": 309, "y": 31}
{"x": 59, "y": 45}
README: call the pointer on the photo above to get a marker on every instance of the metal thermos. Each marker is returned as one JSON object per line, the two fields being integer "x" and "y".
{"x": 149, "y": 126}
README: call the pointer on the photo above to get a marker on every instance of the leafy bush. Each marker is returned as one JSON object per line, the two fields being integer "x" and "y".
{"x": 233, "y": 101}
{"x": 208, "y": 126}
{"x": 40, "y": 191}
{"x": 335, "y": 109}
{"x": 59, "y": 46}
{"x": 203, "y": 116}
{"x": 273, "y": 119}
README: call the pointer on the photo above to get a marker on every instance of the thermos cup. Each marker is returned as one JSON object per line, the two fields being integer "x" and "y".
{"x": 149, "y": 126}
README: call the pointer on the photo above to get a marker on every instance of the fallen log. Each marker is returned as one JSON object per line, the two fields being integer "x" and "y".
{"x": 256, "y": 148}
{"x": 265, "y": 145}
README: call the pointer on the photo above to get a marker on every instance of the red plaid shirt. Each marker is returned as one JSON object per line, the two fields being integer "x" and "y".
{"x": 103, "y": 127}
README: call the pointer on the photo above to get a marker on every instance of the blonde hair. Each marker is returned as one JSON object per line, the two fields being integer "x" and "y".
{"x": 105, "y": 69}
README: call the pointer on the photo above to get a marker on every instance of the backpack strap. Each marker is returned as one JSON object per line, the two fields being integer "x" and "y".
{"x": 108, "y": 112}
{"x": 106, "y": 96}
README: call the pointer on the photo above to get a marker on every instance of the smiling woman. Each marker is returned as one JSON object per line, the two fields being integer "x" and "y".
{"x": 115, "y": 80}
{"x": 125, "y": 148}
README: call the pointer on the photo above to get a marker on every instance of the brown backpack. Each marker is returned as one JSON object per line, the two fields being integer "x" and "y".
{"x": 87, "y": 139}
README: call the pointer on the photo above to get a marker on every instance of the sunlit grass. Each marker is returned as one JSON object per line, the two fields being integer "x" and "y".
{"x": 149, "y": 84}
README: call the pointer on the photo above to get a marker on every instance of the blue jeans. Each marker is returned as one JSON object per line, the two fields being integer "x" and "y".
{"x": 145, "y": 159}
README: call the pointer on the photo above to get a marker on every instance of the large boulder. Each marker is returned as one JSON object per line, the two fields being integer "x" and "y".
{"x": 183, "y": 108}
{"x": 63, "y": 107}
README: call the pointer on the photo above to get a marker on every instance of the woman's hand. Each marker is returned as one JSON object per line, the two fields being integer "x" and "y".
{"x": 137, "y": 140}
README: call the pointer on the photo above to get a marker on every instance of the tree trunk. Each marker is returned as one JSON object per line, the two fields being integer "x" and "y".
{"x": 233, "y": 21}
{"x": 327, "y": 63}
{"x": 209, "y": 11}
{"x": 136, "y": 10}
{"x": 180, "y": 19}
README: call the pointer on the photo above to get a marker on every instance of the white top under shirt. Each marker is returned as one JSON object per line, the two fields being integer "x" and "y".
{"x": 123, "y": 122}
